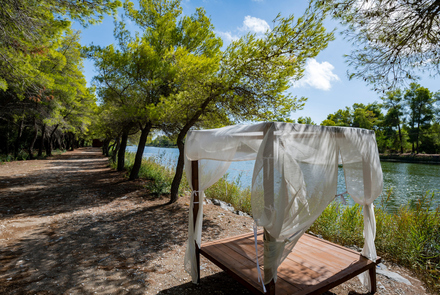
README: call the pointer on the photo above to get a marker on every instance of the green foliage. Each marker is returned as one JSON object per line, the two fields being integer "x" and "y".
{"x": 410, "y": 236}
{"x": 306, "y": 120}
{"x": 420, "y": 112}
{"x": 360, "y": 115}
{"x": 162, "y": 141}
{"x": 158, "y": 176}
{"x": 409, "y": 124}
{"x": 340, "y": 118}
{"x": 29, "y": 29}
{"x": 231, "y": 192}
{"x": 23, "y": 156}
{"x": 55, "y": 100}
{"x": 389, "y": 49}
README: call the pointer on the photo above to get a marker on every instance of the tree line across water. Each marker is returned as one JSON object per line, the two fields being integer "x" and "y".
{"x": 406, "y": 121}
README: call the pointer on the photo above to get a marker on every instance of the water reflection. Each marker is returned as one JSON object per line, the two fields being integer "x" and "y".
{"x": 409, "y": 181}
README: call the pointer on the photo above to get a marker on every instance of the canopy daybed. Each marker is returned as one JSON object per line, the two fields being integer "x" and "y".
{"x": 294, "y": 179}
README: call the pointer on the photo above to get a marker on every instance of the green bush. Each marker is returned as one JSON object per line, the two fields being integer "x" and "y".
{"x": 231, "y": 192}
{"x": 409, "y": 237}
{"x": 159, "y": 177}
{"x": 24, "y": 155}
{"x": 6, "y": 158}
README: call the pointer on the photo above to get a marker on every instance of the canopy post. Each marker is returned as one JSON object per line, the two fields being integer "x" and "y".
{"x": 195, "y": 185}
{"x": 268, "y": 184}
{"x": 372, "y": 274}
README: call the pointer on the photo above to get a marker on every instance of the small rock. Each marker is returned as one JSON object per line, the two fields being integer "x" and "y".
{"x": 223, "y": 205}
{"x": 239, "y": 213}
{"x": 393, "y": 276}
{"x": 216, "y": 202}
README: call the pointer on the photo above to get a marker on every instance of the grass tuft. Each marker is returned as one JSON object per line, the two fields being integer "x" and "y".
{"x": 159, "y": 177}
{"x": 231, "y": 192}
{"x": 409, "y": 237}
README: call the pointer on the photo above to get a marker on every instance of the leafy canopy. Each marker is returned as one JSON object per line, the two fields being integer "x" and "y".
{"x": 394, "y": 39}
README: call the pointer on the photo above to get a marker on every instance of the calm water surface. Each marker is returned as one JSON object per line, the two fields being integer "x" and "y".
{"x": 408, "y": 181}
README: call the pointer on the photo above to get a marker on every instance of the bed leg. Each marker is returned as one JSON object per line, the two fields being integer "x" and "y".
{"x": 372, "y": 273}
{"x": 270, "y": 288}
{"x": 198, "y": 262}
{"x": 195, "y": 185}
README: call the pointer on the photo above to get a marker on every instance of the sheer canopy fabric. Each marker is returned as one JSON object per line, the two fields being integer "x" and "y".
{"x": 294, "y": 179}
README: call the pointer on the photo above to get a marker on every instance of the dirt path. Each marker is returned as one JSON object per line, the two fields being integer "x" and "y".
{"x": 71, "y": 225}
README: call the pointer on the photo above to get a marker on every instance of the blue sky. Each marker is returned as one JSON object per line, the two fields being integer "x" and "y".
{"x": 325, "y": 83}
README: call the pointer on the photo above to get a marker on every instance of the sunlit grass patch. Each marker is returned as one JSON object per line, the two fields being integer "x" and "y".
{"x": 409, "y": 237}
{"x": 231, "y": 192}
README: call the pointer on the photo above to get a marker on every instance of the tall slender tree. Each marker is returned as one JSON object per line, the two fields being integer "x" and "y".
{"x": 393, "y": 103}
{"x": 420, "y": 115}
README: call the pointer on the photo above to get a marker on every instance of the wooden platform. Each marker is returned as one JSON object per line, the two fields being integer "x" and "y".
{"x": 313, "y": 267}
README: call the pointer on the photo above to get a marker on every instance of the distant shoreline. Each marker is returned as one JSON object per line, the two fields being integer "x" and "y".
{"x": 412, "y": 158}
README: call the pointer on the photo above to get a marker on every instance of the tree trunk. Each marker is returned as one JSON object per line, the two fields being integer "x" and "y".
{"x": 105, "y": 147}
{"x": 34, "y": 139}
{"x": 49, "y": 145}
{"x": 18, "y": 139}
{"x": 400, "y": 138}
{"x": 68, "y": 141}
{"x": 7, "y": 139}
{"x": 121, "y": 151}
{"x": 60, "y": 142}
{"x": 140, "y": 151}
{"x": 179, "y": 171}
{"x": 41, "y": 147}
{"x": 113, "y": 153}
{"x": 180, "y": 162}
{"x": 417, "y": 138}
{"x": 72, "y": 141}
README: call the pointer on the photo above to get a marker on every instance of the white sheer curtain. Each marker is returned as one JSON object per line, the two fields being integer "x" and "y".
{"x": 213, "y": 159}
{"x": 364, "y": 180}
{"x": 294, "y": 179}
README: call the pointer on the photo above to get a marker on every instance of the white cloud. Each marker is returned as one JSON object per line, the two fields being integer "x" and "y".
{"x": 317, "y": 75}
{"x": 227, "y": 37}
{"x": 254, "y": 24}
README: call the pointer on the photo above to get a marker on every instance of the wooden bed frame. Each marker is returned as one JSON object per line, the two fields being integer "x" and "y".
{"x": 313, "y": 267}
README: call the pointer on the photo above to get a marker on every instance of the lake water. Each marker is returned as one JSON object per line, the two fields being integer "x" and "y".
{"x": 409, "y": 181}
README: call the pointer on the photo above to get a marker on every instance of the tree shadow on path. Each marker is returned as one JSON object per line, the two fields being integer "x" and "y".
{"x": 71, "y": 181}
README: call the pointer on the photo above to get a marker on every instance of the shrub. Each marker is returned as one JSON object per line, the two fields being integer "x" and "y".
{"x": 409, "y": 237}
{"x": 231, "y": 192}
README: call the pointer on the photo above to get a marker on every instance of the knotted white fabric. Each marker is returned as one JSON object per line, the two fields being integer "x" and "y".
{"x": 294, "y": 178}
{"x": 260, "y": 277}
